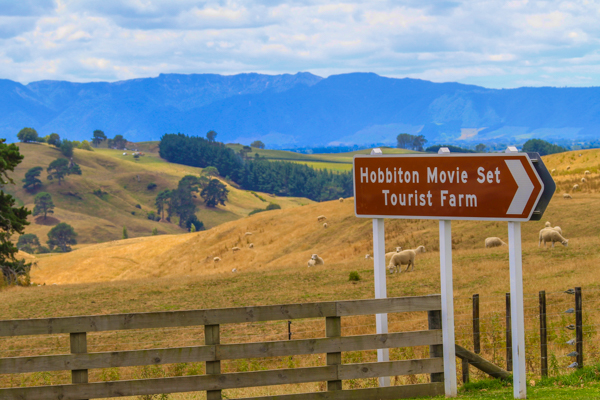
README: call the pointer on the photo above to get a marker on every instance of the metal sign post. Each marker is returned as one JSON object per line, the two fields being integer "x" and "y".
{"x": 511, "y": 187}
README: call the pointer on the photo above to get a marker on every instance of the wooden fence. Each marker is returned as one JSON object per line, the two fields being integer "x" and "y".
{"x": 213, "y": 382}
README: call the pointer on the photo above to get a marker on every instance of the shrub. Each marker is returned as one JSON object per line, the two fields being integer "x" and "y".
{"x": 138, "y": 206}
{"x": 354, "y": 276}
{"x": 154, "y": 231}
{"x": 273, "y": 206}
{"x": 152, "y": 216}
{"x": 256, "y": 211}
{"x": 151, "y": 186}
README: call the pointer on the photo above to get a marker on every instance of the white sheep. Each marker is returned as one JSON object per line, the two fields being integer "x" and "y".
{"x": 311, "y": 263}
{"x": 494, "y": 242}
{"x": 551, "y": 235}
{"x": 405, "y": 257}
{"x": 391, "y": 253}
{"x": 234, "y": 249}
{"x": 341, "y": 199}
{"x": 325, "y": 225}
{"x": 586, "y": 173}
{"x": 251, "y": 246}
{"x": 575, "y": 187}
{"x": 217, "y": 259}
{"x": 248, "y": 233}
{"x": 318, "y": 260}
{"x": 547, "y": 224}
{"x": 567, "y": 196}
{"x": 568, "y": 167}
{"x": 367, "y": 257}
{"x": 234, "y": 270}
{"x": 553, "y": 171}
{"x": 582, "y": 180}
{"x": 557, "y": 229}
{"x": 321, "y": 218}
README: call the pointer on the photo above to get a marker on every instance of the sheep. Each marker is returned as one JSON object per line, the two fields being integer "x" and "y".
{"x": 341, "y": 199}
{"x": 311, "y": 263}
{"x": 321, "y": 218}
{"x": 586, "y": 173}
{"x": 405, "y": 257}
{"x": 234, "y": 270}
{"x": 568, "y": 167}
{"x": 575, "y": 187}
{"x": 234, "y": 249}
{"x": 391, "y": 253}
{"x": 217, "y": 259}
{"x": 325, "y": 225}
{"x": 318, "y": 260}
{"x": 251, "y": 246}
{"x": 547, "y": 224}
{"x": 580, "y": 154}
{"x": 567, "y": 196}
{"x": 494, "y": 242}
{"x": 551, "y": 235}
{"x": 367, "y": 257}
{"x": 582, "y": 180}
{"x": 557, "y": 229}
{"x": 553, "y": 171}
{"x": 247, "y": 233}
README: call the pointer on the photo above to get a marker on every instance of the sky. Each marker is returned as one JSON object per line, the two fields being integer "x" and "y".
{"x": 495, "y": 44}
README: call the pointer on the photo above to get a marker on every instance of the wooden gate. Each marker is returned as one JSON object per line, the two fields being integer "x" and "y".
{"x": 334, "y": 372}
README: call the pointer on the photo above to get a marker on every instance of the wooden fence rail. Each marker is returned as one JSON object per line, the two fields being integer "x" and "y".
{"x": 213, "y": 382}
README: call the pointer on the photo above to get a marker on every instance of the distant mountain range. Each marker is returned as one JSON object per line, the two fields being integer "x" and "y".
{"x": 301, "y": 110}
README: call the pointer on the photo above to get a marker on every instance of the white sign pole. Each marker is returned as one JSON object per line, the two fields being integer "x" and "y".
{"x": 516, "y": 307}
{"x": 447, "y": 308}
{"x": 381, "y": 320}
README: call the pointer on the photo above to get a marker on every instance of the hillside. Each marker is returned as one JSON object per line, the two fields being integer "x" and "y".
{"x": 287, "y": 238}
{"x": 300, "y": 110}
{"x": 124, "y": 183}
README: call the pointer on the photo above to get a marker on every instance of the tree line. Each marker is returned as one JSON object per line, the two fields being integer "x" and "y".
{"x": 278, "y": 177}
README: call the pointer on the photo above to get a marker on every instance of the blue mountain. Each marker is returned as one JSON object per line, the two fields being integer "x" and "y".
{"x": 300, "y": 110}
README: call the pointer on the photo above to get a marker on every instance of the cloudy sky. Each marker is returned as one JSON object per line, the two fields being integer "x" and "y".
{"x": 496, "y": 43}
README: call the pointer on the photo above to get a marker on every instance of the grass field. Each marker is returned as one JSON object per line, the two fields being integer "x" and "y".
{"x": 173, "y": 272}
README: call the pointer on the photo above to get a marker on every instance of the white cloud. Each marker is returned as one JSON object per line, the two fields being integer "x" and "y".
{"x": 492, "y": 43}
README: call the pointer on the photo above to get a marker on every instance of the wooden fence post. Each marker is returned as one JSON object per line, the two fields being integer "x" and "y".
{"x": 434, "y": 319}
{"x": 476, "y": 330}
{"x": 333, "y": 328}
{"x": 79, "y": 346}
{"x": 508, "y": 335}
{"x": 212, "y": 336}
{"x": 578, "y": 327}
{"x": 543, "y": 335}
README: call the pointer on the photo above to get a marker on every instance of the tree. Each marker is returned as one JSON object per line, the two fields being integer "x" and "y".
{"x": 60, "y": 168}
{"x": 66, "y": 147}
{"x": 214, "y": 193}
{"x": 211, "y": 135}
{"x": 244, "y": 151}
{"x": 53, "y": 140}
{"x": 480, "y": 148}
{"x": 542, "y": 147}
{"x": 163, "y": 200}
{"x": 410, "y": 142}
{"x": 125, "y": 234}
{"x": 154, "y": 231}
{"x": 26, "y": 135}
{"x": 12, "y": 219}
{"x": 62, "y": 236}
{"x": 182, "y": 199}
{"x": 193, "y": 224}
{"x": 98, "y": 137}
{"x": 258, "y": 144}
{"x": 118, "y": 142}
{"x": 31, "y": 179}
{"x": 28, "y": 243}
{"x": 211, "y": 171}
{"x": 43, "y": 204}
{"x": 85, "y": 145}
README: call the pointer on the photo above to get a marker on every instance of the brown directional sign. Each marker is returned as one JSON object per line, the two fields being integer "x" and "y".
{"x": 499, "y": 187}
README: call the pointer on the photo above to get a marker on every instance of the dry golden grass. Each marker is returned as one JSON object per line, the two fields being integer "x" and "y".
{"x": 173, "y": 272}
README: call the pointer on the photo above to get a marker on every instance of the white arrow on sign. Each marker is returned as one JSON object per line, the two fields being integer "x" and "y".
{"x": 525, "y": 187}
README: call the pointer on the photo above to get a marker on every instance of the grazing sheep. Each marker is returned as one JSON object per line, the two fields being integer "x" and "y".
{"x": 217, "y": 259}
{"x": 368, "y": 256}
{"x": 586, "y": 173}
{"x": 234, "y": 270}
{"x": 405, "y": 257}
{"x": 234, "y": 249}
{"x": 321, "y": 218}
{"x": 580, "y": 154}
{"x": 311, "y": 263}
{"x": 248, "y": 233}
{"x": 325, "y": 225}
{"x": 551, "y": 235}
{"x": 318, "y": 260}
{"x": 568, "y": 167}
{"x": 547, "y": 224}
{"x": 251, "y": 246}
{"x": 557, "y": 229}
{"x": 567, "y": 196}
{"x": 582, "y": 180}
{"x": 494, "y": 242}
{"x": 553, "y": 171}
{"x": 575, "y": 187}
{"x": 391, "y": 253}
{"x": 341, "y": 199}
